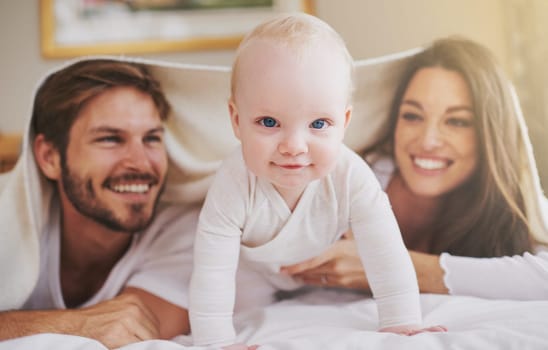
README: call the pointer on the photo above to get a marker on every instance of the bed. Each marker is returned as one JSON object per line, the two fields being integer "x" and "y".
{"x": 329, "y": 319}
{"x": 321, "y": 318}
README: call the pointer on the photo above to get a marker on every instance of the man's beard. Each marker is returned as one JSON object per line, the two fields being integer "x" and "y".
{"x": 82, "y": 196}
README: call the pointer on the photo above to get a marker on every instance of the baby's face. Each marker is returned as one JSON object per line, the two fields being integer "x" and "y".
{"x": 290, "y": 112}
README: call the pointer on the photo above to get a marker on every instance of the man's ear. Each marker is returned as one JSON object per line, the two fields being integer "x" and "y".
{"x": 348, "y": 115}
{"x": 47, "y": 157}
{"x": 234, "y": 118}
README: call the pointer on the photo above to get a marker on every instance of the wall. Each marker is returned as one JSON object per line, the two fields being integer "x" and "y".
{"x": 22, "y": 66}
{"x": 370, "y": 27}
{"x": 527, "y": 27}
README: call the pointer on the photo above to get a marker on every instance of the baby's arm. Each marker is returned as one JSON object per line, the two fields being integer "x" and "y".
{"x": 393, "y": 282}
{"x": 212, "y": 289}
{"x": 216, "y": 251}
{"x": 389, "y": 268}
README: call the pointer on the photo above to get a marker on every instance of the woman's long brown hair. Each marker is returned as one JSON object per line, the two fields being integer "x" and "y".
{"x": 484, "y": 217}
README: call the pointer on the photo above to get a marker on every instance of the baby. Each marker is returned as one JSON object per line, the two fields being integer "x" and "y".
{"x": 293, "y": 187}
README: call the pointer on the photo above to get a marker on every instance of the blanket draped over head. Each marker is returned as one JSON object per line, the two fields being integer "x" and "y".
{"x": 198, "y": 136}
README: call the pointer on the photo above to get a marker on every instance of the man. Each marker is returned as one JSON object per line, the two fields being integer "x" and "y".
{"x": 112, "y": 259}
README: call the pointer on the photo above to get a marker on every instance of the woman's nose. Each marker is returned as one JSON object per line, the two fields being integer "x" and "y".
{"x": 432, "y": 136}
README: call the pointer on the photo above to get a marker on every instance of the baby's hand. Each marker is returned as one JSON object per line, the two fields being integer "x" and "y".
{"x": 240, "y": 346}
{"x": 412, "y": 330}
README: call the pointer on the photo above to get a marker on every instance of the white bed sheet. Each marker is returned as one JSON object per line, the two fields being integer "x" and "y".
{"x": 317, "y": 321}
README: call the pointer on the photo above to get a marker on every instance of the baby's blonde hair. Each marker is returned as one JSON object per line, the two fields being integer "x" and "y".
{"x": 297, "y": 31}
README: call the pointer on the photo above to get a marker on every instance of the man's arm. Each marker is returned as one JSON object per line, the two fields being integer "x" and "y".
{"x": 161, "y": 279}
{"x": 173, "y": 319}
{"x": 123, "y": 320}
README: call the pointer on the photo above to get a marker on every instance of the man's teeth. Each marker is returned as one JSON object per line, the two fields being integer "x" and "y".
{"x": 430, "y": 164}
{"x": 142, "y": 188}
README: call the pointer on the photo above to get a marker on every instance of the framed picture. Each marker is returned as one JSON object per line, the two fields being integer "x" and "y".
{"x": 72, "y": 28}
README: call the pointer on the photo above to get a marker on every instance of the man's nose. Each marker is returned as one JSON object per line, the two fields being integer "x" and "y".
{"x": 136, "y": 157}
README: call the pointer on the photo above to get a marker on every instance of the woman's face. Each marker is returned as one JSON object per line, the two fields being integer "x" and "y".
{"x": 435, "y": 138}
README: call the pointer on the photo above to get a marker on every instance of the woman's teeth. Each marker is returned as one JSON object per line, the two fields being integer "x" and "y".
{"x": 429, "y": 164}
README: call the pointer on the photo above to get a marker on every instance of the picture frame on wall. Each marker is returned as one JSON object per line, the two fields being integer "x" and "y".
{"x": 71, "y": 28}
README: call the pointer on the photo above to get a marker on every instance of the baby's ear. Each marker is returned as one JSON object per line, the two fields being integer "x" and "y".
{"x": 48, "y": 158}
{"x": 234, "y": 118}
{"x": 347, "y": 115}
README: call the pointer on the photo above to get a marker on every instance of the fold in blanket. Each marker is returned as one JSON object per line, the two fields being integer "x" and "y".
{"x": 198, "y": 137}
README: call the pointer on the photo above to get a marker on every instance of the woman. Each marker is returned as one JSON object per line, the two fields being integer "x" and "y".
{"x": 454, "y": 164}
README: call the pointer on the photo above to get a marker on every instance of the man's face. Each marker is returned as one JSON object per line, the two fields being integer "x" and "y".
{"x": 115, "y": 164}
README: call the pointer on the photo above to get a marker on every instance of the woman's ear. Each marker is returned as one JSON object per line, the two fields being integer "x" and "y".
{"x": 234, "y": 118}
{"x": 47, "y": 157}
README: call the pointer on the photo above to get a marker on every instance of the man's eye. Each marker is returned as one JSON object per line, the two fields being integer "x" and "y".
{"x": 109, "y": 139}
{"x": 268, "y": 122}
{"x": 319, "y": 124}
{"x": 153, "y": 138}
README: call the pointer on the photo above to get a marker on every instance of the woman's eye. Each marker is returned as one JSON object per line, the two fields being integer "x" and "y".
{"x": 460, "y": 122}
{"x": 410, "y": 116}
{"x": 318, "y": 124}
{"x": 268, "y": 122}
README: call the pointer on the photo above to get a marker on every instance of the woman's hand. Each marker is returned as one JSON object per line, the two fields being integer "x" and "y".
{"x": 339, "y": 266}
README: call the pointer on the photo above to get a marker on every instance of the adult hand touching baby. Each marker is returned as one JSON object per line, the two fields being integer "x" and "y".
{"x": 338, "y": 266}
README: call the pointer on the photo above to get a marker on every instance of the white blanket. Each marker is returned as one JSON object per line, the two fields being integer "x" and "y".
{"x": 321, "y": 320}
{"x": 198, "y": 137}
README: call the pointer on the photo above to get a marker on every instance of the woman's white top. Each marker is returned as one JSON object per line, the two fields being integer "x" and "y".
{"x": 518, "y": 277}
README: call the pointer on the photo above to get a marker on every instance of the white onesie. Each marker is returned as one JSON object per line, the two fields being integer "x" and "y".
{"x": 245, "y": 217}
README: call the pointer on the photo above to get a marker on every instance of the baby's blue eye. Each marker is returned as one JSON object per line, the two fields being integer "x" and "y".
{"x": 318, "y": 124}
{"x": 268, "y": 122}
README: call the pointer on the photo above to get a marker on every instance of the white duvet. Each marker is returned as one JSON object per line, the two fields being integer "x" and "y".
{"x": 321, "y": 320}
{"x": 198, "y": 136}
